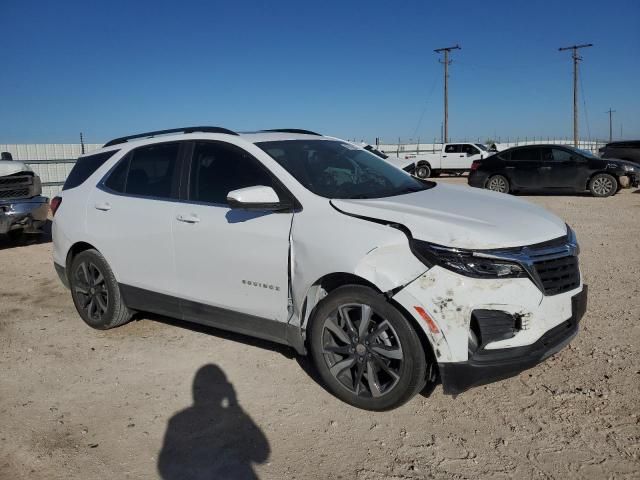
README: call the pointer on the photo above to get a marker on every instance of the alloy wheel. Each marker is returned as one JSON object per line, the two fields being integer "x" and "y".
{"x": 423, "y": 171}
{"x": 91, "y": 290}
{"x": 602, "y": 186}
{"x": 362, "y": 350}
{"x": 497, "y": 184}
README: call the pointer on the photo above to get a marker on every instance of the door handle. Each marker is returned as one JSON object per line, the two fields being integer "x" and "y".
{"x": 462, "y": 156}
{"x": 510, "y": 168}
{"x": 444, "y": 156}
{"x": 103, "y": 206}
{"x": 545, "y": 168}
{"x": 188, "y": 218}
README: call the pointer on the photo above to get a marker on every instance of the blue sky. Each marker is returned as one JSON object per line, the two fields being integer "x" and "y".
{"x": 349, "y": 69}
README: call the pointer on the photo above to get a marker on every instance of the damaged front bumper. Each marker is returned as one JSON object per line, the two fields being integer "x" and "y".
{"x": 483, "y": 330}
{"x": 28, "y": 214}
{"x": 486, "y": 366}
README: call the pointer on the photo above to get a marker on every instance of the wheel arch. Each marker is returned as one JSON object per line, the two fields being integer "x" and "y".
{"x": 325, "y": 285}
{"x": 330, "y": 282}
{"x": 598, "y": 172}
{"x": 75, "y": 249}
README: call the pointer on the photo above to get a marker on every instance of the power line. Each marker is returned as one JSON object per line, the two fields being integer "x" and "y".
{"x": 446, "y": 63}
{"x": 586, "y": 114}
{"x": 576, "y": 59}
{"x": 424, "y": 110}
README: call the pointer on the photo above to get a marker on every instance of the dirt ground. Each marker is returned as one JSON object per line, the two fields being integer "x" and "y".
{"x": 161, "y": 399}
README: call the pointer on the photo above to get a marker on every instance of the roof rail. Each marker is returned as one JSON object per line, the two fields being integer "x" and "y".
{"x": 293, "y": 130}
{"x": 116, "y": 141}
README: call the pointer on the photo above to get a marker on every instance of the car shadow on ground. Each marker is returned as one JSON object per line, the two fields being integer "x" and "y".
{"x": 27, "y": 239}
{"x": 216, "y": 332}
{"x": 304, "y": 361}
{"x": 214, "y": 437}
{"x": 551, "y": 194}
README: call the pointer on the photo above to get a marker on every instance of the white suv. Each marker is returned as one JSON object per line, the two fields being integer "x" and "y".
{"x": 388, "y": 281}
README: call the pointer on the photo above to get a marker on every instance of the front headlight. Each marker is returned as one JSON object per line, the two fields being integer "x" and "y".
{"x": 572, "y": 239}
{"x": 628, "y": 168}
{"x": 465, "y": 262}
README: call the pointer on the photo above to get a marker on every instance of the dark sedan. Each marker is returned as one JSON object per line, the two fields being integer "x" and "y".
{"x": 629, "y": 150}
{"x": 552, "y": 168}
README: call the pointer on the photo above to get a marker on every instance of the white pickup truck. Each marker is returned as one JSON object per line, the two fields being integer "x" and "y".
{"x": 22, "y": 207}
{"x": 453, "y": 158}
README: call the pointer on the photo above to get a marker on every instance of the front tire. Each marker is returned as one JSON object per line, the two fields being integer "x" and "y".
{"x": 365, "y": 350}
{"x": 95, "y": 291}
{"x": 603, "y": 185}
{"x": 498, "y": 183}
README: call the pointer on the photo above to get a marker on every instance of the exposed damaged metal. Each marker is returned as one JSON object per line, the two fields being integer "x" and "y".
{"x": 22, "y": 208}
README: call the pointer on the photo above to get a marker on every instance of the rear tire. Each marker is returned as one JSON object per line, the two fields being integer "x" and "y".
{"x": 603, "y": 185}
{"x": 423, "y": 170}
{"x": 498, "y": 183}
{"x": 95, "y": 291}
{"x": 376, "y": 365}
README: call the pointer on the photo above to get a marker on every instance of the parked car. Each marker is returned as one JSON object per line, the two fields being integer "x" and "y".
{"x": 452, "y": 158}
{"x": 407, "y": 165}
{"x": 552, "y": 168}
{"x": 386, "y": 280}
{"x": 627, "y": 150}
{"x": 23, "y": 209}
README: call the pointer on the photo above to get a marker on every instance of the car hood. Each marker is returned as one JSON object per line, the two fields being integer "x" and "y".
{"x": 9, "y": 167}
{"x": 462, "y": 217}
{"x": 621, "y": 162}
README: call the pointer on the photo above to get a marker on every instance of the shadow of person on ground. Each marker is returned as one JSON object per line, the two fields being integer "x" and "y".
{"x": 213, "y": 438}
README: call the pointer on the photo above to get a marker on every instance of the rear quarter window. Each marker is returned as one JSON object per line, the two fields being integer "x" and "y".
{"x": 85, "y": 167}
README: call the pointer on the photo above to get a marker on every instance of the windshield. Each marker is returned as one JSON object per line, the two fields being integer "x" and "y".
{"x": 481, "y": 146}
{"x": 584, "y": 153}
{"x": 335, "y": 169}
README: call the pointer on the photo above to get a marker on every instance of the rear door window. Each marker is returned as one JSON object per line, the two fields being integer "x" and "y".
{"x": 453, "y": 148}
{"x": 525, "y": 155}
{"x": 85, "y": 167}
{"x": 150, "y": 171}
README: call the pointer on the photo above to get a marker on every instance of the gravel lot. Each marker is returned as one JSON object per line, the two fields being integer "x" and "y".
{"x": 86, "y": 404}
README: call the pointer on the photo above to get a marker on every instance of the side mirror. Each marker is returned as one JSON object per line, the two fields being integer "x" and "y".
{"x": 255, "y": 198}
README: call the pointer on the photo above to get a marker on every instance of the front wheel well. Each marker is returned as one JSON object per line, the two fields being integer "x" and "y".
{"x": 325, "y": 285}
{"x": 423, "y": 162}
{"x": 615, "y": 176}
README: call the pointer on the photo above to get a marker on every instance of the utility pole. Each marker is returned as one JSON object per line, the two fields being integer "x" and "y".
{"x": 82, "y": 142}
{"x": 446, "y": 63}
{"x": 610, "y": 124}
{"x": 576, "y": 59}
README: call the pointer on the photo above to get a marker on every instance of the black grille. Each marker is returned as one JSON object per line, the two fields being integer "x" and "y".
{"x": 15, "y": 193}
{"x": 14, "y": 181}
{"x": 558, "y": 275}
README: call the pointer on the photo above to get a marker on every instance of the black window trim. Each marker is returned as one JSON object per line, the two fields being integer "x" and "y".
{"x": 176, "y": 185}
{"x": 281, "y": 189}
{"x": 111, "y": 154}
